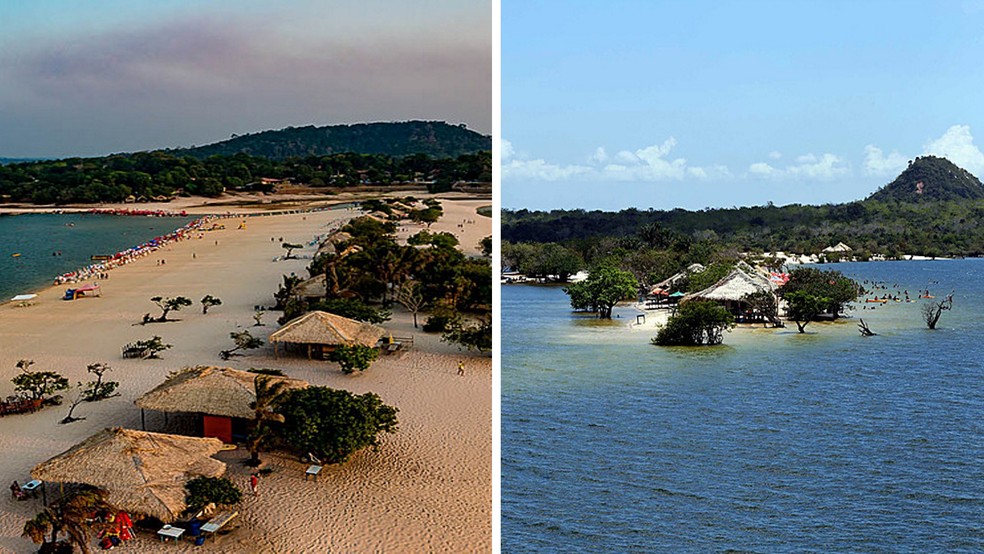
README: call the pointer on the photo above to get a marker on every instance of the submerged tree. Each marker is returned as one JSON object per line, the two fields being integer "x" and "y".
{"x": 604, "y": 287}
{"x": 802, "y": 307}
{"x": 695, "y": 323}
{"x": 933, "y": 310}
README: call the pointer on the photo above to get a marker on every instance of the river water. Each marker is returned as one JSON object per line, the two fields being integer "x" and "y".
{"x": 772, "y": 442}
{"x": 38, "y": 238}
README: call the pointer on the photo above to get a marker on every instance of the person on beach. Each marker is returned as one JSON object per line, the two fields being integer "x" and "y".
{"x": 254, "y": 482}
{"x": 461, "y": 367}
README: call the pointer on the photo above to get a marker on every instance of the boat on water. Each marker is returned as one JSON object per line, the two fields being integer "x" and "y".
{"x": 877, "y": 300}
{"x": 15, "y": 255}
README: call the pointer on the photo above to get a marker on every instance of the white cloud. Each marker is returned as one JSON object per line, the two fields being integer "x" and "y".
{"x": 957, "y": 145}
{"x": 648, "y": 164}
{"x": 506, "y": 150}
{"x": 876, "y": 163}
{"x": 808, "y": 166}
{"x": 762, "y": 169}
{"x": 775, "y": 155}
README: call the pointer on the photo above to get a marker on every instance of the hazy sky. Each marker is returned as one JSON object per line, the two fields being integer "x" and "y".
{"x": 607, "y": 105}
{"x": 100, "y": 76}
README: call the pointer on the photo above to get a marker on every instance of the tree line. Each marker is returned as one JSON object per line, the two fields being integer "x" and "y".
{"x": 162, "y": 175}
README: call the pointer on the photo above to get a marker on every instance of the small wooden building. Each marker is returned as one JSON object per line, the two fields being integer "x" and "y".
{"x": 222, "y": 395}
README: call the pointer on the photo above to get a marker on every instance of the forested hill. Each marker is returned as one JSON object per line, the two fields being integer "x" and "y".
{"x": 432, "y": 138}
{"x": 931, "y": 179}
{"x": 945, "y": 219}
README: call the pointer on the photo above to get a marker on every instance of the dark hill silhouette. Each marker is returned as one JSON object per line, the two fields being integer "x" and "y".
{"x": 931, "y": 179}
{"x": 432, "y": 138}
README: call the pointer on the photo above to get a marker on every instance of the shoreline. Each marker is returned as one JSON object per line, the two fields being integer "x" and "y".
{"x": 440, "y": 458}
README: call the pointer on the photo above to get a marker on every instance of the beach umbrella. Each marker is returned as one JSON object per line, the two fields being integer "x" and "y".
{"x": 677, "y": 294}
{"x": 142, "y": 472}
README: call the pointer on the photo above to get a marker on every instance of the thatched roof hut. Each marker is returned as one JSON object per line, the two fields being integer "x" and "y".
{"x": 732, "y": 289}
{"x": 315, "y": 287}
{"x": 142, "y": 472}
{"x": 668, "y": 283}
{"x": 330, "y": 244}
{"x": 327, "y": 329}
{"x": 219, "y": 391}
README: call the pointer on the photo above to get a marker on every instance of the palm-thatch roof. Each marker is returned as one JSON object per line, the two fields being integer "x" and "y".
{"x": 142, "y": 472}
{"x": 315, "y": 287}
{"x": 671, "y": 281}
{"x": 326, "y": 328}
{"x": 330, "y": 244}
{"x": 220, "y": 391}
{"x": 734, "y": 286}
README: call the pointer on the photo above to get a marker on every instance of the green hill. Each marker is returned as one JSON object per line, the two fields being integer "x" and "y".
{"x": 398, "y": 139}
{"x": 931, "y": 179}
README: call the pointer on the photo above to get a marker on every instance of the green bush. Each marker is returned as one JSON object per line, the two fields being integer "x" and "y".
{"x": 695, "y": 323}
{"x": 333, "y": 424}
{"x": 202, "y": 491}
{"x": 355, "y": 357}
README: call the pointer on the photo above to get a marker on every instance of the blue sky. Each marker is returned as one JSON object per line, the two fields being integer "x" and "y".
{"x": 94, "y": 77}
{"x": 608, "y": 105}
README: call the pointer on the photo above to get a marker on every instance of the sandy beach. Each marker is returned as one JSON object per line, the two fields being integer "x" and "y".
{"x": 427, "y": 489}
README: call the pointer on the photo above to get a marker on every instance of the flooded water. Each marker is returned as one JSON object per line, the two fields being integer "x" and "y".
{"x": 772, "y": 442}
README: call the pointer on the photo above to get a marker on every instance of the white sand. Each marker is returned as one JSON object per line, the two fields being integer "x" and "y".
{"x": 427, "y": 489}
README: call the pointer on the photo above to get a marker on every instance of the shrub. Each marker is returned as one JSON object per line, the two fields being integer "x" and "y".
{"x": 695, "y": 323}
{"x": 202, "y": 491}
{"x": 355, "y": 357}
{"x": 333, "y": 424}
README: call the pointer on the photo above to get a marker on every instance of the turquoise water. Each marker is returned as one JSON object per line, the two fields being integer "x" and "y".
{"x": 77, "y": 236}
{"x": 773, "y": 442}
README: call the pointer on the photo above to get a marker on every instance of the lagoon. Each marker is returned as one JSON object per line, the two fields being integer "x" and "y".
{"x": 37, "y": 237}
{"x": 772, "y": 442}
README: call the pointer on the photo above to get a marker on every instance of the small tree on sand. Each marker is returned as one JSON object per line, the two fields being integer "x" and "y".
{"x": 411, "y": 297}
{"x": 290, "y": 248}
{"x": 168, "y": 304}
{"x": 70, "y": 514}
{"x": 932, "y": 311}
{"x": 477, "y": 336}
{"x": 77, "y": 398}
{"x": 153, "y": 346}
{"x": 333, "y": 424}
{"x": 258, "y": 318}
{"x": 208, "y": 301}
{"x": 37, "y": 383}
{"x": 243, "y": 340}
{"x": 268, "y": 392}
{"x": 97, "y": 390}
{"x": 355, "y": 357}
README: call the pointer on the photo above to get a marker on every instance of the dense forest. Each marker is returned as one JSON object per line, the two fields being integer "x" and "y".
{"x": 431, "y": 138}
{"x": 161, "y": 175}
{"x": 934, "y": 208}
